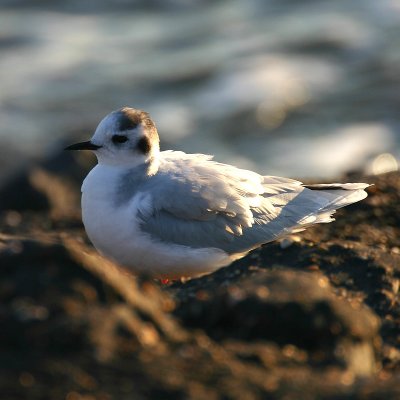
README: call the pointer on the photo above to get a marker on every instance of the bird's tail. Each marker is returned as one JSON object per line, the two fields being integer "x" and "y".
{"x": 289, "y": 207}
{"x": 336, "y": 195}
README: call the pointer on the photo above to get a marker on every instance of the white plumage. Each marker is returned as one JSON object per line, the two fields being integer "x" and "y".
{"x": 172, "y": 214}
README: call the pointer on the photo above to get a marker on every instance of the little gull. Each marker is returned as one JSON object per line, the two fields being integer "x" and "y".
{"x": 171, "y": 214}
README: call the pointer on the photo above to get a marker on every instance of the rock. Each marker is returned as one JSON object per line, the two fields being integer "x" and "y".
{"x": 51, "y": 185}
{"x": 289, "y": 308}
{"x": 294, "y": 322}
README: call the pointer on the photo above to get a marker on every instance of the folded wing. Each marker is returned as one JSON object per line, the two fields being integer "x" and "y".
{"x": 199, "y": 203}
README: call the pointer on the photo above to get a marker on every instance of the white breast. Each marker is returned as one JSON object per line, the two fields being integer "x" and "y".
{"x": 115, "y": 232}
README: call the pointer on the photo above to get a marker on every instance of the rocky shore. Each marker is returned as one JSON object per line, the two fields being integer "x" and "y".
{"x": 314, "y": 316}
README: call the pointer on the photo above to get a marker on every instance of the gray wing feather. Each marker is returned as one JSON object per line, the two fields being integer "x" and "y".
{"x": 201, "y": 203}
{"x": 194, "y": 187}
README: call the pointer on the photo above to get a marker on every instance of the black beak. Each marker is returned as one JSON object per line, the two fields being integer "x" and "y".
{"x": 83, "y": 146}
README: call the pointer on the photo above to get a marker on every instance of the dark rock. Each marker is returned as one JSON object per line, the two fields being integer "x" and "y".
{"x": 289, "y": 308}
{"x": 289, "y": 321}
{"x": 52, "y": 185}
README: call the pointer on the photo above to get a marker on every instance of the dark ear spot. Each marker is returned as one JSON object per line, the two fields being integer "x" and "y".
{"x": 143, "y": 145}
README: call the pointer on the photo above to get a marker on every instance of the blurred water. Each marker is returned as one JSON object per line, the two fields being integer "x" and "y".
{"x": 303, "y": 89}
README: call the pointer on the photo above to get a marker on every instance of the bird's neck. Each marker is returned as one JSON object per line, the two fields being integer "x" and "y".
{"x": 148, "y": 165}
{"x": 127, "y": 160}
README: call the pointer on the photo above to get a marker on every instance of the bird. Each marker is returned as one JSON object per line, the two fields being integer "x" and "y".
{"x": 173, "y": 215}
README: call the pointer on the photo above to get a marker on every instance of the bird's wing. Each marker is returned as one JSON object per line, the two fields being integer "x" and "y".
{"x": 200, "y": 203}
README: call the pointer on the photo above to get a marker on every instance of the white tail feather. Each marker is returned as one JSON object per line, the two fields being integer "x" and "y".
{"x": 337, "y": 196}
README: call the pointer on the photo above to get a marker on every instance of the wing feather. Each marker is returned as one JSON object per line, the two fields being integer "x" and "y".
{"x": 200, "y": 203}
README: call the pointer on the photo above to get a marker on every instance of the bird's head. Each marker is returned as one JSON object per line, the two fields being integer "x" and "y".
{"x": 124, "y": 137}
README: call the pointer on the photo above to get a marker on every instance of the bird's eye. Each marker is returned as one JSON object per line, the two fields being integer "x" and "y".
{"x": 119, "y": 139}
